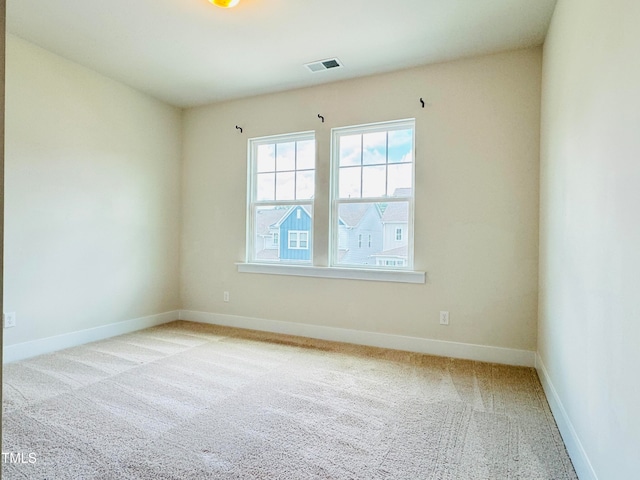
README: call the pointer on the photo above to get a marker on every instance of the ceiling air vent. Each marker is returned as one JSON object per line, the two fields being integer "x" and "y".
{"x": 321, "y": 65}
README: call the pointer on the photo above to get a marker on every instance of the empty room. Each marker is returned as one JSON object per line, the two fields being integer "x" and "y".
{"x": 278, "y": 239}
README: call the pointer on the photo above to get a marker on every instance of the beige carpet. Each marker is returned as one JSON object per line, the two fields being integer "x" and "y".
{"x": 192, "y": 401}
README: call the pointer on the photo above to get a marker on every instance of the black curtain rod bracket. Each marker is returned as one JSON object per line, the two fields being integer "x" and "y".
{"x": 239, "y": 128}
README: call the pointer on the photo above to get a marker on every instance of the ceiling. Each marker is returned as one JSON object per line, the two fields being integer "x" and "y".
{"x": 189, "y": 52}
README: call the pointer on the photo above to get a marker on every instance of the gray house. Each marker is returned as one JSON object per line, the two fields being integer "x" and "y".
{"x": 360, "y": 233}
{"x": 395, "y": 225}
{"x": 267, "y": 241}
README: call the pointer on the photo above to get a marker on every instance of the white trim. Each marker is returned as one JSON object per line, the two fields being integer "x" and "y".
{"x": 21, "y": 351}
{"x": 401, "y": 276}
{"x": 467, "y": 351}
{"x": 579, "y": 457}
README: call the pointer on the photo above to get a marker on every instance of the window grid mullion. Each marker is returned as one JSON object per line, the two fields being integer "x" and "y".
{"x": 361, "y": 164}
{"x": 275, "y": 173}
{"x": 386, "y": 164}
{"x": 295, "y": 170}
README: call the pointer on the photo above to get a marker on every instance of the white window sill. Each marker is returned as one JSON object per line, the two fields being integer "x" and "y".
{"x": 402, "y": 276}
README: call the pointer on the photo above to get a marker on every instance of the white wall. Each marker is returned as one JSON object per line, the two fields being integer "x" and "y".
{"x": 589, "y": 325}
{"x": 477, "y": 203}
{"x": 92, "y": 205}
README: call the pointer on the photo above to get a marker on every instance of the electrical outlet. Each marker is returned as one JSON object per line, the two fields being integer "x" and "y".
{"x": 9, "y": 319}
{"x": 444, "y": 318}
{"x": 226, "y": 296}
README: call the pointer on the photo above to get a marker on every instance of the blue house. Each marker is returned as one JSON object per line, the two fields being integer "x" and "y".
{"x": 284, "y": 234}
{"x": 295, "y": 234}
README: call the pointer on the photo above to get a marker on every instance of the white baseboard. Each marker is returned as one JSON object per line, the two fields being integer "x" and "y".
{"x": 579, "y": 457}
{"x": 21, "y": 351}
{"x": 396, "y": 342}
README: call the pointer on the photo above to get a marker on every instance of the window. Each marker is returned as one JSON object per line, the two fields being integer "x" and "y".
{"x": 366, "y": 213}
{"x": 373, "y": 192}
{"x": 298, "y": 240}
{"x": 280, "y": 198}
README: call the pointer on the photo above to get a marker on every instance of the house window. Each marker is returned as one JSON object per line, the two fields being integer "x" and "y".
{"x": 373, "y": 191}
{"x": 280, "y": 197}
{"x": 298, "y": 240}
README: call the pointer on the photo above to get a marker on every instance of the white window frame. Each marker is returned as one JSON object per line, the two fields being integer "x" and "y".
{"x": 252, "y": 201}
{"x": 322, "y": 267}
{"x": 336, "y": 201}
{"x": 297, "y": 239}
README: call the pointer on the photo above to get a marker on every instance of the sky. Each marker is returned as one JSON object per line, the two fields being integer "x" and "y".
{"x": 370, "y": 165}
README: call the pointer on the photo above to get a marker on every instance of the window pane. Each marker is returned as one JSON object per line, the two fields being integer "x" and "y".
{"x": 303, "y": 239}
{"x": 400, "y": 177}
{"x": 266, "y": 158}
{"x": 306, "y": 155}
{"x": 374, "y": 181}
{"x": 374, "y": 148}
{"x": 349, "y": 182}
{"x": 285, "y": 186}
{"x": 378, "y": 223}
{"x": 285, "y": 156}
{"x": 305, "y": 185}
{"x": 350, "y": 150}
{"x": 283, "y": 234}
{"x": 265, "y": 186}
{"x": 400, "y": 146}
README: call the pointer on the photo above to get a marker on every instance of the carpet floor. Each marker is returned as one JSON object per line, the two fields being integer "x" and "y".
{"x": 193, "y": 401}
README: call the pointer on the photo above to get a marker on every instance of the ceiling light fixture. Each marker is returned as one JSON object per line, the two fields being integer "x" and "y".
{"x": 225, "y": 3}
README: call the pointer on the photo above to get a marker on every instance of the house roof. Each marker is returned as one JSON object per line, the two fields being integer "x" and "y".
{"x": 402, "y": 192}
{"x": 351, "y": 213}
{"x": 396, "y": 212}
{"x": 266, "y": 218}
{"x": 289, "y": 212}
